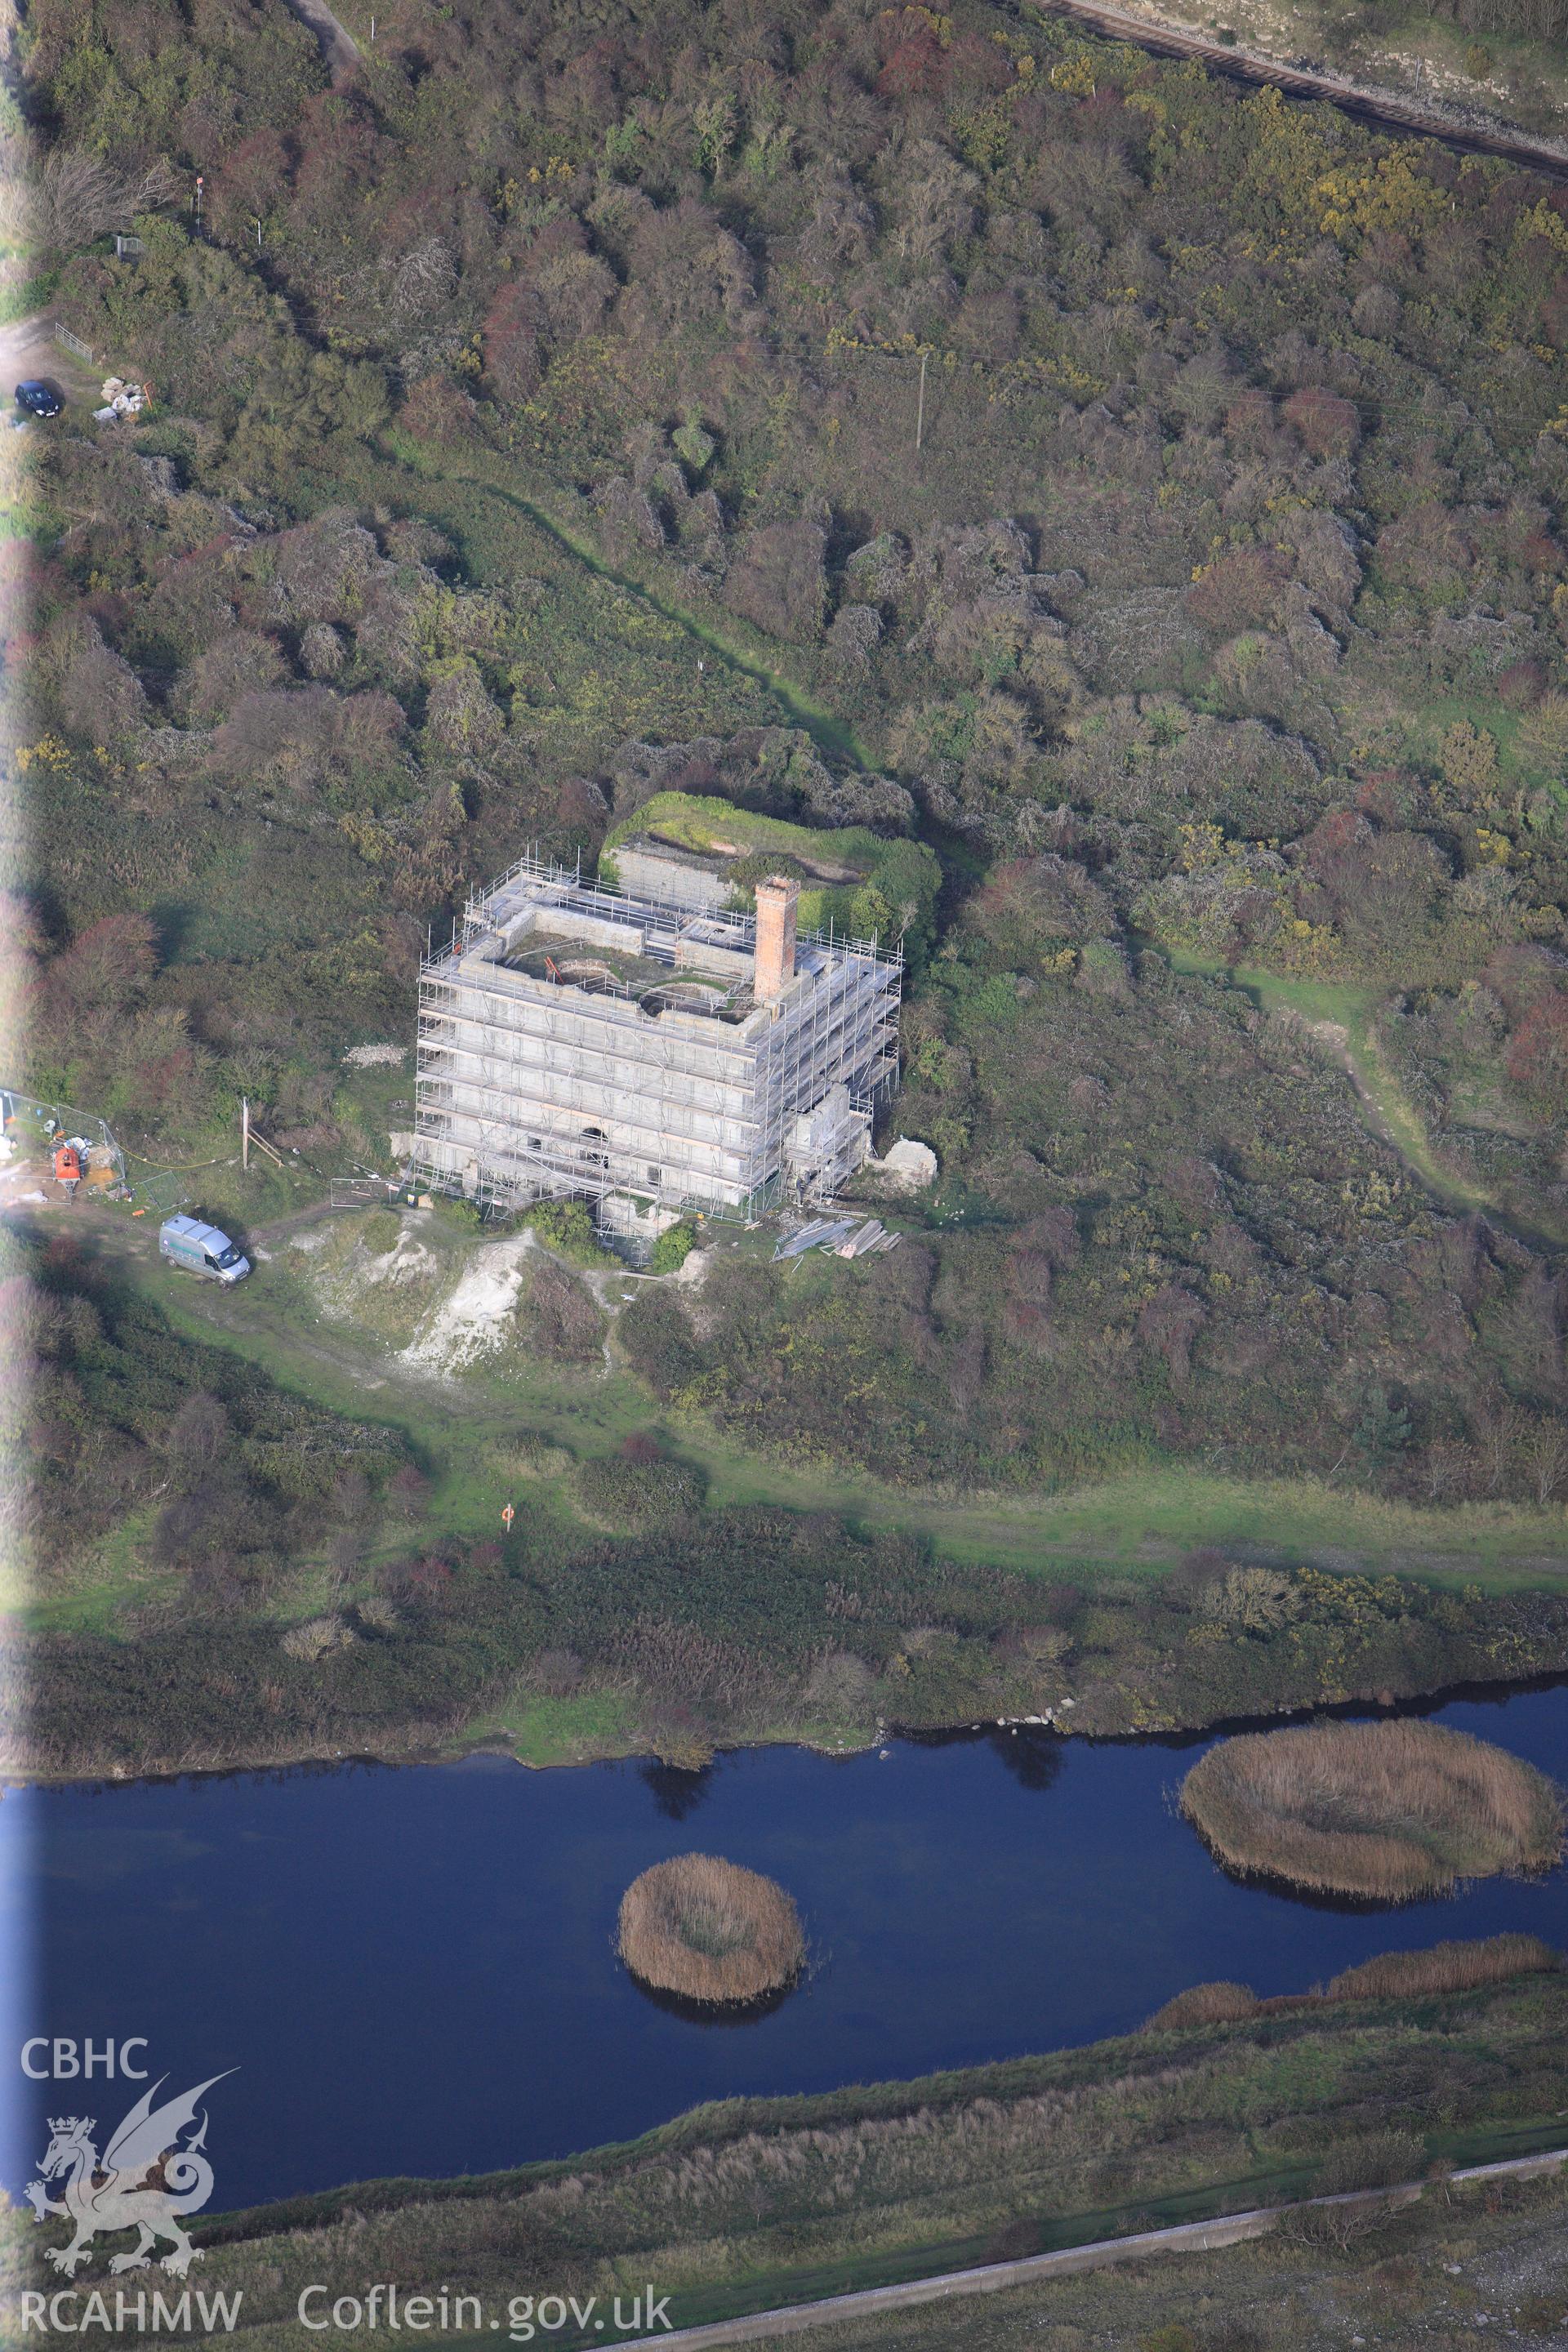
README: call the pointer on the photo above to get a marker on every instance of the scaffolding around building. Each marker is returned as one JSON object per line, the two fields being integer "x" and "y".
{"x": 575, "y": 1039}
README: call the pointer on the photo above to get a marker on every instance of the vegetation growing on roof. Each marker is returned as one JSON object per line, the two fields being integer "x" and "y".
{"x": 855, "y": 880}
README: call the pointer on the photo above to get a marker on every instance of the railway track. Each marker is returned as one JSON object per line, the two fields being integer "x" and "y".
{"x": 1382, "y": 108}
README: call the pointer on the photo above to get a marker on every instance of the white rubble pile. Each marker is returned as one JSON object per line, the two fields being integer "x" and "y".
{"x": 406, "y": 1261}
{"x": 119, "y": 399}
{"x": 908, "y": 1167}
{"x": 475, "y": 1317}
{"x": 375, "y": 1057}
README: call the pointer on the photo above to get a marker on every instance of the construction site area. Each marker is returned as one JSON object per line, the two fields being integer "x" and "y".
{"x": 647, "y": 1047}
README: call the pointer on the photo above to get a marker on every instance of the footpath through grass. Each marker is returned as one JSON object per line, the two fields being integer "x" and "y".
{"x": 1049, "y": 2234}
{"x": 540, "y": 502}
{"x": 1139, "y": 1523}
{"x": 1341, "y": 1016}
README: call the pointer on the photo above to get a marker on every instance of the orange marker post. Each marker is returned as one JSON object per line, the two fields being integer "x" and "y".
{"x": 507, "y": 1517}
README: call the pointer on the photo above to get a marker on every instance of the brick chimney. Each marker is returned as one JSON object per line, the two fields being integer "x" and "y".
{"x": 776, "y": 902}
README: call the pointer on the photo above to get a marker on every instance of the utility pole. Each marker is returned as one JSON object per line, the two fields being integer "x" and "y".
{"x": 245, "y": 1130}
{"x": 199, "y": 185}
{"x": 920, "y": 412}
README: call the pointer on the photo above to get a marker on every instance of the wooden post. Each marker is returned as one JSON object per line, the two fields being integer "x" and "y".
{"x": 245, "y": 1130}
{"x": 921, "y": 413}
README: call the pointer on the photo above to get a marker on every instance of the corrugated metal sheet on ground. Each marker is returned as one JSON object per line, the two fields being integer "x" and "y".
{"x": 823, "y": 1234}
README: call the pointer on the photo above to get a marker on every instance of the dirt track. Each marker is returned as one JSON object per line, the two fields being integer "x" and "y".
{"x": 1383, "y": 109}
{"x": 27, "y": 347}
{"x": 338, "y": 46}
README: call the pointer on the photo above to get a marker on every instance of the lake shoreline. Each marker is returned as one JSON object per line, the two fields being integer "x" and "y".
{"x": 1174, "y": 1734}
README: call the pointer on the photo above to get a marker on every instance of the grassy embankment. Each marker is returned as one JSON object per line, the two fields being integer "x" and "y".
{"x": 544, "y": 503}
{"x": 757, "y": 2202}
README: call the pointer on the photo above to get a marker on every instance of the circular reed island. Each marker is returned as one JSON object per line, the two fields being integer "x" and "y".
{"x": 711, "y": 1932}
{"x": 1383, "y": 1813}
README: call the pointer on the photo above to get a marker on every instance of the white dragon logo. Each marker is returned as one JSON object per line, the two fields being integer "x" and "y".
{"x": 113, "y": 2194}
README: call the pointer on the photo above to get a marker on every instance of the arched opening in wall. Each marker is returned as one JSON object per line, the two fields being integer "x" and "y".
{"x": 596, "y": 1148}
{"x": 587, "y": 972}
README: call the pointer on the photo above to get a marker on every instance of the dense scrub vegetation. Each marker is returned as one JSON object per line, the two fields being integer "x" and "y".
{"x": 227, "y": 1479}
{"x": 1217, "y": 620}
{"x": 1175, "y": 1235}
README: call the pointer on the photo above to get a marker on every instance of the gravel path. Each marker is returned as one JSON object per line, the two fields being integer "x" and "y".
{"x": 338, "y": 44}
{"x": 1185, "y": 2237}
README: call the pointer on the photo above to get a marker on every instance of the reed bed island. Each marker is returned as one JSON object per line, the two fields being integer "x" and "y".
{"x": 1383, "y": 1813}
{"x": 708, "y": 1931}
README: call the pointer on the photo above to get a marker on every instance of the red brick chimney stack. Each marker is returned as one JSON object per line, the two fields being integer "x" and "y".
{"x": 777, "y": 900}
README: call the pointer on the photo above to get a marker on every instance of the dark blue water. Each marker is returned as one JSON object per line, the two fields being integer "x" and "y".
{"x": 412, "y": 1969}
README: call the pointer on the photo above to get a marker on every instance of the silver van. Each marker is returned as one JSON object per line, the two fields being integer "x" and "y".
{"x": 201, "y": 1249}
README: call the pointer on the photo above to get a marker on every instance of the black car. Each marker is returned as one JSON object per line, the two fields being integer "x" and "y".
{"x": 38, "y": 399}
